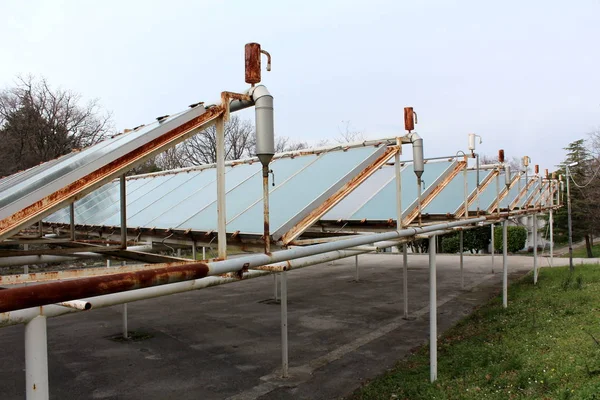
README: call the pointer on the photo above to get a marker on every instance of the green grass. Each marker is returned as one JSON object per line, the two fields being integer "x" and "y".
{"x": 581, "y": 252}
{"x": 544, "y": 346}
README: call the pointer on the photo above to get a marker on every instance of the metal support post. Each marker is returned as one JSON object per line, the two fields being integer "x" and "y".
{"x": 36, "y": 359}
{"x": 535, "y": 254}
{"x": 179, "y": 252}
{"x": 551, "y": 219}
{"x": 26, "y": 267}
{"x": 203, "y": 253}
{"x": 125, "y": 330}
{"x": 266, "y": 233}
{"x": 504, "y": 264}
{"x": 72, "y": 220}
{"x": 284, "y": 326}
{"x": 461, "y": 250}
{"x": 498, "y": 193}
{"x": 356, "y": 265}
{"x": 569, "y": 222}
{"x": 221, "y": 212}
{"x": 466, "y": 189}
{"x": 493, "y": 248}
{"x": 123, "y": 211}
{"x": 405, "y": 278}
{"x": 194, "y": 250}
{"x": 40, "y": 229}
{"x": 432, "y": 311}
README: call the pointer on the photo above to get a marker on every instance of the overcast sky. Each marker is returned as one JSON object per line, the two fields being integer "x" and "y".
{"x": 522, "y": 74}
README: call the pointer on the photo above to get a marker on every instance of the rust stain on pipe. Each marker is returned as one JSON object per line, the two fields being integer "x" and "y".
{"x": 56, "y": 292}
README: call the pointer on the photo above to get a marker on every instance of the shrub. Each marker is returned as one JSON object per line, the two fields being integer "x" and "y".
{"x": 451, "y": 244}
{"x": 517, "y": 236}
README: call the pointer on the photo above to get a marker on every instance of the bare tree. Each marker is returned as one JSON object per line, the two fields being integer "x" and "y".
{"x": 202, "y": 148}
{"x": 39, "y": 123}
{"x": 172, "y": 158}
{"x": 283, "y": 144}
{"x": 348, "y": 135}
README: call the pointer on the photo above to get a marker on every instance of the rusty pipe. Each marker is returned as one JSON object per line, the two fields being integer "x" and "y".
{"x": 63, "y": 291}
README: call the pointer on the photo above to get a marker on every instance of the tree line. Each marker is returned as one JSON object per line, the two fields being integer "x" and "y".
{"x": 39, "y": 123}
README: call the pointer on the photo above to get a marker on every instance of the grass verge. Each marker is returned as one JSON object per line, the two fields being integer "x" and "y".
{"x": 546, "y": 345}
{"x": 581, "y": 252}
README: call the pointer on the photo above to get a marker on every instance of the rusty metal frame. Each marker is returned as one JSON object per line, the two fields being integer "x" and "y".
{"x": 523, "y": 192}
{"x": 503, "y": 193}
{"x": 75, "y": 190}
{"x": 324, "y": 205}
{"x": 532, "y": 196}
{"x": 432, "y": 191}
{"x": 474, "y": 195}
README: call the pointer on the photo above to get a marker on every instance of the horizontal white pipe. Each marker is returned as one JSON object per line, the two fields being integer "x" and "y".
{"x": 53, "y": 310}
{"x": 256, "y": 260}
{"x": 76, "y": 304}
{"x": 45, "y": 258}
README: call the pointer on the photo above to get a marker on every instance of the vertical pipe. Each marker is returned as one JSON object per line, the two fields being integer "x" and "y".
{"x": 569, "y": 222}
{"x": 36, "y": 359}
{"x": 432, "y": 311}
{"x": 284, "y": 327}
{"x": 221, "y": 213}
{"x": 551, "y": 239}
{"x": 498, "y": 192}
{"x": 419, "y": 193}
{"x": 356, "y": 267}
{"x": 504, "y": 263}
{"x": 72, "y": 220}
{"x": 123, "y": 193}
{"x": 203, "y": 253}
{"x": 26, "y": 267}
{"x": 125, "y": 330}
{"x": 398, "y": 176}
{"x": 493, "y": 248}
{"x": 405, "y": 278}
{"x": 466, "y": 189}
{"x": 179, "y": 252}
{"x": 535, "y": 255}
{"x": 267, "y": 233}
{"x": 461, "y": 250}
{"x": 41, "y": 229}
{"x": 194, "y": 250}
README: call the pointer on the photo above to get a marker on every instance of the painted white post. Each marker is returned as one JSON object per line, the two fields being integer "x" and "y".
{"x": 221, "y": 212}
{"x": 461, "y": 250}
{"x": 36, "y": 359}
{"x": 284, "y": 326}
{"x": 26, "y": 267}
{"x": 493, "y": 248}
{"x": 194, "y": 250}
{"x": 125, "y": 330}
{"x": 504, "y": 264}
{"x": 551, "y": 239}
{"x": 405, "y": 277}
{"x": 535, "y": 255}
{"x": 432, "y": 310}
{"x": 203, "y": 253}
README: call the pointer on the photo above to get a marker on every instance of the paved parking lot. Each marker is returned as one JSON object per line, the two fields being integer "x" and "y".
{"x": 224, "y": 342}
